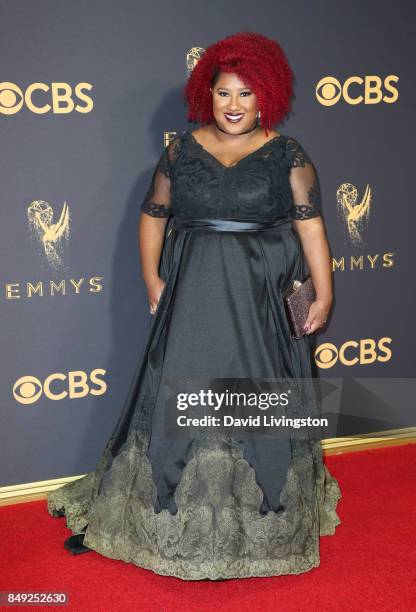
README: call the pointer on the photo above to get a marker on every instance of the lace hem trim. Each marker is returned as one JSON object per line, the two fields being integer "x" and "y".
{"x": 217, "y": 531}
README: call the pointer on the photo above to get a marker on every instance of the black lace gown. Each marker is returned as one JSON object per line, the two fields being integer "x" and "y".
{"x": 215, "y": 507}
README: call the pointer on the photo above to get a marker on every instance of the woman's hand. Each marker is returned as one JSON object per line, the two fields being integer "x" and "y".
{"x": 154, "y": 291}
{"x": 317, "y": 316}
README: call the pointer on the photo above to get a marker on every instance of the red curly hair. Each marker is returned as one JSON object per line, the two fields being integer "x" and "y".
{"x": 258, "y": 61}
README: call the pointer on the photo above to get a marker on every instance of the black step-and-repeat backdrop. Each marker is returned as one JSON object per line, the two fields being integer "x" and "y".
{"x": 90, "y": 92}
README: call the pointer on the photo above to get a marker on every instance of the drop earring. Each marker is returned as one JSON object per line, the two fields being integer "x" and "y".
{"x": 258, "y": 117}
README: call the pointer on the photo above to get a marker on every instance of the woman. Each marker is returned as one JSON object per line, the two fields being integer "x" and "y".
{"x": 243, "y": 204}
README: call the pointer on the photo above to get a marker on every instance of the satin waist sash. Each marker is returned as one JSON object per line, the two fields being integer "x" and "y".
{"x": 229, "y": 225}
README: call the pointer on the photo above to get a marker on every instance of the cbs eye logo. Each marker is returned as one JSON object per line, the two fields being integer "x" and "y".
{"x": 353, "y": 352}
{"x": 57, "y": 386}
{"x": 357, "y": 90}
{"x": 41, "y": 98}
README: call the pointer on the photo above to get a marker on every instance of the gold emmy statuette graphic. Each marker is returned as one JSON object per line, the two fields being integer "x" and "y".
{"x": 355, "y": 215}
{"x": 50, "y": 235}
{"x": 192, "y": 58}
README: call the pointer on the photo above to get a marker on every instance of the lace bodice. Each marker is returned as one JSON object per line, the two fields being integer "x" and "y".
{"x": 277, "y": 180}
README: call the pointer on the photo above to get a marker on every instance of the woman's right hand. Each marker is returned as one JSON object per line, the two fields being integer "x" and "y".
{"x": 154, "y": 291}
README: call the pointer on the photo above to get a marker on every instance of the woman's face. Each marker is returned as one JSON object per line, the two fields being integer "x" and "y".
{"x": 233, "y": 103}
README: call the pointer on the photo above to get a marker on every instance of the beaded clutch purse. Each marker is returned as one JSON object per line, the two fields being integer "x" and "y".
{"x": 298, "y": 299}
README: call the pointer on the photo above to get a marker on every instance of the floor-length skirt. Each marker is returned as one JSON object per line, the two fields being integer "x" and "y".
{"x": 213, "y": 507}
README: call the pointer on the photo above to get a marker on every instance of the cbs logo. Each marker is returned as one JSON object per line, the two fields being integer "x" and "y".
{"x": 40, "y": 98}
{"x": 357, "y": 90}
{"x": 57, "y": 386}
{"x": 353, "y": 352}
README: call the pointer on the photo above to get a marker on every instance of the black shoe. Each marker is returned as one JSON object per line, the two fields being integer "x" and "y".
{"x": 75, "y": 544}
{"x": 58, "y": 513}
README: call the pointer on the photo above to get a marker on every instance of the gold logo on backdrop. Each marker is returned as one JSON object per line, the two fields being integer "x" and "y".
{"x": 370, "y": 89}
{"x": 365, "y": 351}
{"x": 367, "y": 261}
{"x": 58, "y": 386}
{"x": 354, "y": 213}
{"x": 50, "y": 235}
{"x": 41, "y": 98}
{"x": 192, "y": 58}
{"x": 168, "y": 137}
{"x": 40, "y": 289}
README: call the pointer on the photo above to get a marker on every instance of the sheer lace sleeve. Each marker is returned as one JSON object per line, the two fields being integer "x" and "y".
{"x": 304, "y": 182}
{"x": 157, "y": 201}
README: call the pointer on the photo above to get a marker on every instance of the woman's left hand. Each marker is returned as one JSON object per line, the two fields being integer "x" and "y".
{"x": 317, "y": 317}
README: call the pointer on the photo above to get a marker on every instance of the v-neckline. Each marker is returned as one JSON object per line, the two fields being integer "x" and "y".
{"x": 223, "y": 166}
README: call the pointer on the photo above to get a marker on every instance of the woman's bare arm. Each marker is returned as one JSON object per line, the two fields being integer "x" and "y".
{"x": 151, "y": 231}
{"x": 156, "y": 209}
{"x": 317, "y": 254}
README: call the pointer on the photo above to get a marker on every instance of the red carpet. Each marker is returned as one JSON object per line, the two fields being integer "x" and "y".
{"x": 369, "y": 564}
